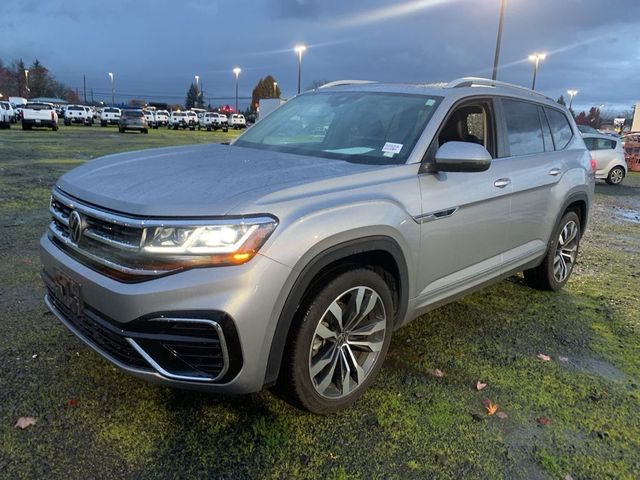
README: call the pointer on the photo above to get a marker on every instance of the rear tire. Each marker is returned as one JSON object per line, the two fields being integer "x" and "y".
{"x": 616, "y": 175}
{"x": 329, "y": 361}
{"x": 145, "y": 131}
{"x": 554, "y": 271}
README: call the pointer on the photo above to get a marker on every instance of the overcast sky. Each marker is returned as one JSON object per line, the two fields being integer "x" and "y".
{"x": 156, "y": 47}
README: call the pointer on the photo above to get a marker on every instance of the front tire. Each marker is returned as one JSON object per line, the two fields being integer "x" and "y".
{"x": 338, "y": 342}
{"x": 562, "y": 253}
{"x": 616, "y": 175}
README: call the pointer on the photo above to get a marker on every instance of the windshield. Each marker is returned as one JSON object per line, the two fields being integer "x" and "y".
{"x": 38, "y": 106}
{"x": 133, "y": 113}
{"x": 111, "y": 110}
{"x": 369, "y": 127}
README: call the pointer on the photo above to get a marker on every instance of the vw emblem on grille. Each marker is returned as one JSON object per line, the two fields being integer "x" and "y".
{"x": 76, "y": 227}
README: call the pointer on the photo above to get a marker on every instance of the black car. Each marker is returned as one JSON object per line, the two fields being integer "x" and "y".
{"x": 133, "y": 120}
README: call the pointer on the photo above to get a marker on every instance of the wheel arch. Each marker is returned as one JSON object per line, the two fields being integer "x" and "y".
{"x": 382, "y": 253}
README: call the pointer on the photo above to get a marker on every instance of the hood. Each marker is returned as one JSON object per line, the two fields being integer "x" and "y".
{"x": 196, "y": 180}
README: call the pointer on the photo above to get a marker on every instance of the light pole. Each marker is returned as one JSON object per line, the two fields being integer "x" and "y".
{"x": 26, "y": 77}
{"x": 275, "y": 89}
{"x": 572, "y": 93}
{"x": 299, "y": 49}
{"x": 535, "y": 58}
{"x": 237, "y": 71}
{"x": 113, "y": 91}
{"x": 496, "y": 59}
{"x": 197, "y": 89}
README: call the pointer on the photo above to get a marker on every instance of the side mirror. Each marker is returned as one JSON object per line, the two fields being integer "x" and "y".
{"x": 461, "y": 157}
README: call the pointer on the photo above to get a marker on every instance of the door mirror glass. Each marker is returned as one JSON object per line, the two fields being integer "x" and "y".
{"x": 461, "y": 157}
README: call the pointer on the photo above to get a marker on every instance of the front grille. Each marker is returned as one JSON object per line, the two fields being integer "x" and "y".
{"x": 93, "y": 328}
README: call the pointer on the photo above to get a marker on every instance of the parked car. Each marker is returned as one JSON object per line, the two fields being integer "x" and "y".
{"x": 220, "y": 121}
{"x": 133, "y": 120}
{"x": 37, "y": 114}
{"x": 237, "y": 121}
{"x": 288, "y": 258}
{"x": 7, "y": 115}
{"x": 78, "y": 114}
{"x": 179, "y": 120}
{"x": 609, "y": 156}
{"x": 192, "y": 119}
{"x": 162, "y": 118}
{"x": 206, "y": 121}
{"x": 150, "y": 116}
{"x": 110, "y": 116}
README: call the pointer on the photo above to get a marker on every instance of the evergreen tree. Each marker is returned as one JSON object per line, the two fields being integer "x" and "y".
{"x": 561, "y": 101}
{"x": 193, "y": 97}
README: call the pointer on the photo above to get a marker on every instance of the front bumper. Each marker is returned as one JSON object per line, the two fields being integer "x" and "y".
{"x": 120, "y": 321}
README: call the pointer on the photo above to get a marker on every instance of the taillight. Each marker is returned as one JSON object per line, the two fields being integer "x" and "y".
{"x": 593, "y": 166}
{"x": 52, "y": 117}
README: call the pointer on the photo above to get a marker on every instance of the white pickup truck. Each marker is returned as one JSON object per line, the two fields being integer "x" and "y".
{"x": 78, "y": 114}
{"x": 36, "y": 114}
{"x": 162, "y": 118}
{"x": 110, "y": 116}
{"x": 7, "y": 117}
{"x": 237, "y": 121}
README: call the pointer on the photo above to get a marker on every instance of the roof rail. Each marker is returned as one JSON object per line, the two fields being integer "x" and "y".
{"x": 485, "y": 82}
{"x": 338, "y": 83}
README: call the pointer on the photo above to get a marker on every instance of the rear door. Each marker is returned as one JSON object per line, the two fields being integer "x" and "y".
{"x": 536, "y": 163}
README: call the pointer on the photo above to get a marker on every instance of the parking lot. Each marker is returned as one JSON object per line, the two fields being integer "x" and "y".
{"x": 562, "y": 368}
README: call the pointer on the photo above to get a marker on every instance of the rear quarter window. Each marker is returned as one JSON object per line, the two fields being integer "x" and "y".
{"x": 560, "y": 128}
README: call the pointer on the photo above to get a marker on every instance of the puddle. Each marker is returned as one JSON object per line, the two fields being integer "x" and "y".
{"x": 599, "y": 367}
{"x": 628, "y": 215}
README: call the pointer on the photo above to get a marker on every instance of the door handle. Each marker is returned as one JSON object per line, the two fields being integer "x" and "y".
{"x": 555, "y": 172}
{"x": 502, "y": 182}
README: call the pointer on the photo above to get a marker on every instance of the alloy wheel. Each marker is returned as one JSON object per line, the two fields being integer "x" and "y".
{"x": 566, "y": 251}
{"x": 616, "y": 176}
{"x": 347, "y": 342}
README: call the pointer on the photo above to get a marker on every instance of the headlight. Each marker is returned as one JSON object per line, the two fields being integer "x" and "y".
{"x": 231, "y": 241}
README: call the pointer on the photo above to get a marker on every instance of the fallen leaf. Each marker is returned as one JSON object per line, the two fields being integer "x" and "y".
{"x": 568, "y": 477}
{"x": 332, "y": 456}
{"x": 502, "y": 415}
{"x": 491, "y": 407}
{"x": 543, "y": 357}
{"x": 436, "y": 372}
{"x": 35, "y": 355}
{"x": 563, "y": 359}
{"x": 72, "y": 402}
{"x": 544, "y": 421}
{"x": 480, "y": 385}
{"x": 25, "y": 422}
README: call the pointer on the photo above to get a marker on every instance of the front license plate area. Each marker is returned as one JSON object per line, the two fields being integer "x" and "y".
{"x": 68, "y": 293}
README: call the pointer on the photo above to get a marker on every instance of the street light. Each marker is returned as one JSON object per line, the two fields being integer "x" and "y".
{"x": 197, "y": 89}
{"x": 237, "y": 71}
{"x": 26, "y": 76}
{"x": 572, "y": 93}
{"x": 299, "y": 49}
{"x": 275, "y": 89}
{"x": 535, "y": 58}
{"x": 496, "y": 59}
{"x": 113, "y": 91}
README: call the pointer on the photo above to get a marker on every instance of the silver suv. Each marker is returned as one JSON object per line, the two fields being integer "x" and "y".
{"x": 288, "y": 258}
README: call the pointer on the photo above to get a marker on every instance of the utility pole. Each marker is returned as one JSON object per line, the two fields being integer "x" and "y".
{"x": 84, "y": 87}
{"x": 496, "y": 59}
{"x": 92, "y": 101}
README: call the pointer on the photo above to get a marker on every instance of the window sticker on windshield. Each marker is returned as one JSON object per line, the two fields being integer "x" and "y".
{"x": 392, "y": 147}
{"x": 430, "y": 103}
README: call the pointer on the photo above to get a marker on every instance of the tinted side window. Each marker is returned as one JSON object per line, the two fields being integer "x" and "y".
{"x": 560, "y": 128}
{"x": 590, "y": 143}
{"x": 604, "y": 144}
{"x": 524, "y": 130}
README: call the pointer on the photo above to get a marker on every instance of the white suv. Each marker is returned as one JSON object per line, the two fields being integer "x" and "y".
{"x": 6, "y": 115}
{"x": 237, "y": 121}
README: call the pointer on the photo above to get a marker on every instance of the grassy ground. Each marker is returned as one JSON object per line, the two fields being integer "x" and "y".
{"x": 411, "y": 424}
